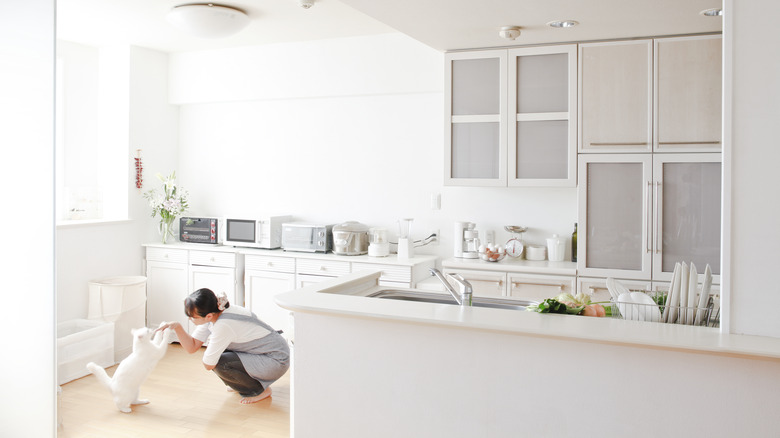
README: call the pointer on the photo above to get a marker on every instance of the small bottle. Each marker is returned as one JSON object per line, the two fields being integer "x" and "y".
{"x": 574, "y": 244}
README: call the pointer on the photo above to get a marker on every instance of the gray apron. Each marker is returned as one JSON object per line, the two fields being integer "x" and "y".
{"x": 265, "y": 359}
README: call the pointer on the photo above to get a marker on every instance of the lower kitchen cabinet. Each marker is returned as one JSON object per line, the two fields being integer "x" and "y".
{"x": 265, "y": 278}
{"x": 166, "y": 285}
{"x": 519, "y": 280}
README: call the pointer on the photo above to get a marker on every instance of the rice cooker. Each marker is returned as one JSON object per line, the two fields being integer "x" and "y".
{"x": 350, "y": 238}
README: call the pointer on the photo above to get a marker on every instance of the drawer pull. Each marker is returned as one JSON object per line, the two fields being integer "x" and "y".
{"x": 558, "y": 286}
{"x": 596, "y": 288}
{"x": 688, "y": 142}
{"x": 166, "y": 256}
{"x": 323, "y": 268}
{"x": 212, "y": 259}
{"x": 269, "y": 264}
{"x": 620, "y": 144}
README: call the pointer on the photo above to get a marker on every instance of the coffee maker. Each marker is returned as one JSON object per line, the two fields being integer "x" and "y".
{"x": 466, "y": 240}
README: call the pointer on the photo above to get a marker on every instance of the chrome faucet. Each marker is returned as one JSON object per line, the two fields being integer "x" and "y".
{"x": 463, "y": 295}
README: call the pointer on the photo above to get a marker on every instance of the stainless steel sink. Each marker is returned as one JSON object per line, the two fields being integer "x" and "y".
{"x": 408, "y": 295}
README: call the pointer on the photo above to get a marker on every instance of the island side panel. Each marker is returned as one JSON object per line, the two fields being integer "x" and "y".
{"x": 358, "y": 377}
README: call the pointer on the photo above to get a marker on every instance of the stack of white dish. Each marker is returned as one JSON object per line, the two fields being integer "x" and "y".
{"x": 685, "y": 304}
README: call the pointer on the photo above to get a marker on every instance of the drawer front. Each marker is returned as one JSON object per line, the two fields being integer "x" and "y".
{"x": 389, "y": 272}
{"x": 213, "y": 258}
{"x": 166, "y": 255}
{"x": 483, "y": 283}
{"x": 539, "y": 287}
{"x": 270, "y": 263}
{"x": 330, "y": 268}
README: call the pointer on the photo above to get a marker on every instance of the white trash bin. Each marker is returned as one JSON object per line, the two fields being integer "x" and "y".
{"x": 121, "y": 300}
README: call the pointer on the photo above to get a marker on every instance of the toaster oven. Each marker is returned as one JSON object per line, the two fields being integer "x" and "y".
{"x": 306, "y": 237}
{"x": 199, "y": 230}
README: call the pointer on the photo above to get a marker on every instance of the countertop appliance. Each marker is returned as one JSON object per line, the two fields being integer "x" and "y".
{"x": 307, "y": 237}
{"x": 378, "y": 245}
{"x": 265, "y": 232}
{"x": 200, "y": 230}
{"x": 350, "y": 238}
{"x": 466, "y": 240}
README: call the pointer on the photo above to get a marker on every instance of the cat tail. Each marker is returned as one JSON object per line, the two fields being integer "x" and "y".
{"x": 100, "y": 373}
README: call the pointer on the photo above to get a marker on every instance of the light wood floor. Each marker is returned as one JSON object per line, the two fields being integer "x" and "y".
{"x": 185, "y": 400}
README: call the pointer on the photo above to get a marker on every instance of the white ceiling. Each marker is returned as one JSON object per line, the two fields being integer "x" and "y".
{"x": 441, "y": 24}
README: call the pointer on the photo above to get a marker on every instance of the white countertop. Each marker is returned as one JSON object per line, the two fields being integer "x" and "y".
{"x": 344, "y": 296}
{"x": 391, "y": 259}
{"x": 509, "y": 264}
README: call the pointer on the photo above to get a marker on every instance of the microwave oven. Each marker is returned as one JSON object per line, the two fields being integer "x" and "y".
{"x": 200, "y": 230}
{"x": 265, "y": 232}
{"x": 305, "y": 237}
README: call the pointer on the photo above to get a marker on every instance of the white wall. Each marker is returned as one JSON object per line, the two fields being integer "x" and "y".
{"x": 92, "y": 251}
{"x": 329, "y": 131}
{"x": 755, "y": 197}
{"x": 27, "y": 135}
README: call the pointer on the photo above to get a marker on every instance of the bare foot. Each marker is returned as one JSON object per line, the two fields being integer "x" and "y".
{"x": 263, "y": 395}
{"x": 229, "y": 389}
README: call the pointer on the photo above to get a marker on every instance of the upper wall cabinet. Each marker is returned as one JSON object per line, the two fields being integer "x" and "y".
{"x": 511, "y": 117}
{"x": 616, "y": 96}
{"x": 661, "y": 95}
{"x": 688, "y": 81}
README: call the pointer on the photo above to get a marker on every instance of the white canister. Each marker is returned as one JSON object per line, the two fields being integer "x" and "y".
{"x": 555, "y": 248}
{"x": 534, "y": 252}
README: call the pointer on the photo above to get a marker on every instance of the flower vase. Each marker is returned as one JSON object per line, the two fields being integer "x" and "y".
{"x": 166, "y": 228}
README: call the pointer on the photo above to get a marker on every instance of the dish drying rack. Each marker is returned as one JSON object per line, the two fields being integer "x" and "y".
{"x": 661, "y": 313}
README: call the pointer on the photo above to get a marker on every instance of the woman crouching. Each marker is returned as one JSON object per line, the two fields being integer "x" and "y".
{"x": 246, "y": 353}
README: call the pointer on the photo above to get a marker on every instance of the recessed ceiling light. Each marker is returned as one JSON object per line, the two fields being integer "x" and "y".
{"x": 563, "y": 23}
{"x": 714, "y": 12}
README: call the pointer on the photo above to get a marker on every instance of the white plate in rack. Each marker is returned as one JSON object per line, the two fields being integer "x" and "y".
{"x": 646, "y": 307}
{"x": 667, "y": 307}
{"x": 673, "y": 299}
{"x": 701, "y": 312}
{"x": 684, "y": 280}
{"x": 693, "y": 286}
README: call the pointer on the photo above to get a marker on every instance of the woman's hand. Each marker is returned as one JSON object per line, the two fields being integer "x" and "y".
{"x": 165, "y": 325}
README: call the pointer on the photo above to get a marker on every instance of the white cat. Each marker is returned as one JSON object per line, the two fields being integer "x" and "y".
{"x": 149, "y": 346}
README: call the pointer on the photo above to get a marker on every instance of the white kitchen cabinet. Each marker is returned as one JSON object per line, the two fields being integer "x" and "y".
{"x": 266, "y": 277}
{"x": 616, "y": 96}
{"x": 688, "y": 82}
{"x": 310, "y": 271}
{"x": 661, "y": 95}
{"x": 218, "y": 271}
{"x": 476, "y": 113}
{"x": 167, "y": 274}
{"x": 534, "y": 287}
{"x": 511, "y": 284}
{"x": 174, "y": 272}
{"x": 483, "y": 283}
{"x": 542, "y": 133}
{"x": 511, "y": 117}
{"x": 641, "y": 213}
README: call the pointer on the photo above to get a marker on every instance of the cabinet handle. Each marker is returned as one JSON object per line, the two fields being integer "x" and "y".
{"x": 648, "y": 217}
{"x": 212, "y": 259}
{"x": 688, "y": 142}
{"x": 596, "y": 288}
{"x": 558, "y": 286}
{"x": 269, "y": 264}
{"x": 323, "y": 268}
{"x": 620, "y": 144}
{"x": 657, "y": 216}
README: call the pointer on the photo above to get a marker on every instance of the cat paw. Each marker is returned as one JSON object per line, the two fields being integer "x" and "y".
{"x": 126, "y": 410}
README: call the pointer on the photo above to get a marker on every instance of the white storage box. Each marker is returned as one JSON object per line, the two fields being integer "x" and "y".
{"x": 121, "y": 300}
{"x": 79, "y": 342}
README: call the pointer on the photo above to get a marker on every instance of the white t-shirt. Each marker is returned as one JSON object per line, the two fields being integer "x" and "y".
{"x": 225, "y": 331}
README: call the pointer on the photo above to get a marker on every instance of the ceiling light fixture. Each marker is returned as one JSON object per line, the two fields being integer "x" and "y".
{"x": 563, "y": 23}
{"x": 208, "y": 20}
{"x": 509, "y": 32}
{"x": 714, "y": 12}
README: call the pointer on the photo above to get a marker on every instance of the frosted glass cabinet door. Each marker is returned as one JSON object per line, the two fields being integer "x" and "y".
{"x": 688, "y": 76}
{"x": 616, "y": 96}
{"x": 475, "y": 109}
{"x": 542, "y": 149}
{"x": 614, "y": 208}
{"x": 686, "y": 221}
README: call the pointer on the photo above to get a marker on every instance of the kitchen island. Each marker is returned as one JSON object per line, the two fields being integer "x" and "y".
{"x": 383, "y": 368}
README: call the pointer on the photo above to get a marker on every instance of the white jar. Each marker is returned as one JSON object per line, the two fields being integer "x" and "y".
{"x": 555, "y": 248}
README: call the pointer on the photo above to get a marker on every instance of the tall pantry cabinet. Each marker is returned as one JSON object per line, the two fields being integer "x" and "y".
{"x": 649, "y": 163}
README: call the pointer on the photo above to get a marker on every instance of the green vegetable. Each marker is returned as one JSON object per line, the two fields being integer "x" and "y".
{"x": 552, "y": 305}
{"x": 580, "y": 299}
